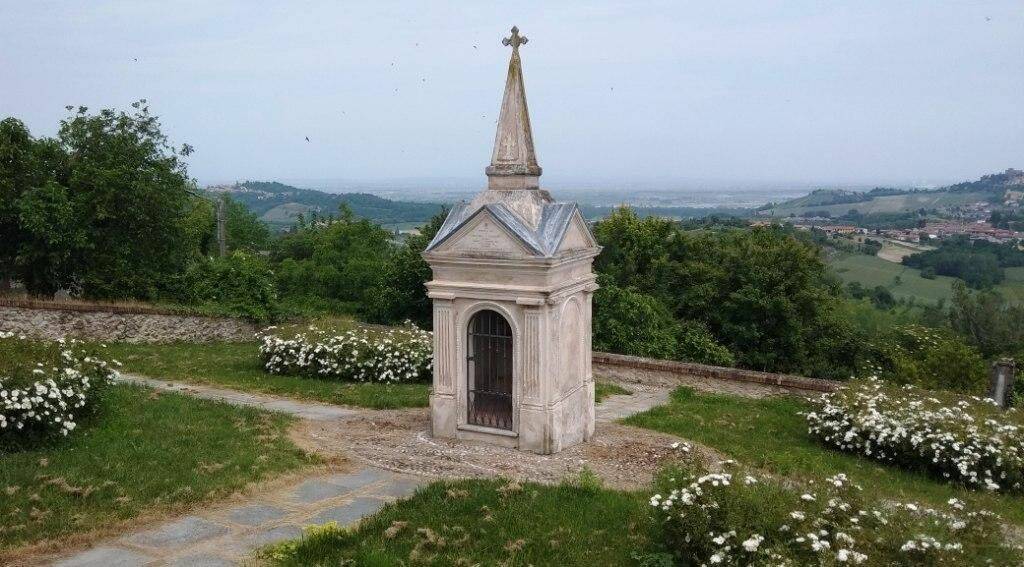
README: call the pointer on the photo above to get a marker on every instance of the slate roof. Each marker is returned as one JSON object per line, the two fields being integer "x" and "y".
{"x": 544, "y": 240}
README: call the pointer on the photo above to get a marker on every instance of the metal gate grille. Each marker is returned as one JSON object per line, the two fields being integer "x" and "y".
{"x": 489, "y": 371}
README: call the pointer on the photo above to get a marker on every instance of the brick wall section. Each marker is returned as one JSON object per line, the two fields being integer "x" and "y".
{"x": 716, "y": 372}
{"x": 112, "y": 323}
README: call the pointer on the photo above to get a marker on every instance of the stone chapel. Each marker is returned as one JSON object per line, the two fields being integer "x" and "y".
{"x": 512, "y": 288}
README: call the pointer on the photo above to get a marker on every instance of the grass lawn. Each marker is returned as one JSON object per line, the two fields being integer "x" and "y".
{"x": 141, "y": 453}
{"x": 604, "y": 389}
{"x": 488, "y": 522}
{"x": 770, "y": 434}
{"x": 237, "y": 366}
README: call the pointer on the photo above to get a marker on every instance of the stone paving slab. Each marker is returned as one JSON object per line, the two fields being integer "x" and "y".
{"x": 186, "y": 531}
{"x": 256, "y": 514}
{"x": 244, "y": 544}
{"x": 400, "y": 488}
{"x": 229, "y": 535}
{"x": 106, "y": 557}
{"x": 201, "y": 560}
{"x": 346, "y": 514}
{"x": 316, "y": 490}
{"x": 359, "y": 479}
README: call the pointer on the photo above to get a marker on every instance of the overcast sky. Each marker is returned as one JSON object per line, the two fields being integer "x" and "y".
{"x": 864, "y": 92}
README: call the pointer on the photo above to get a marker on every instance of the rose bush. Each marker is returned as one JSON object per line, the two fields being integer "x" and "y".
{"x": 737, "y": 518}
{"x": 362, "y": 354}
{"x": 962, "y": 439}
{"x": 45, "y": 387}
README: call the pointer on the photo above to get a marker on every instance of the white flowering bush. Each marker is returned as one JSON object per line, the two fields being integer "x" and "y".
{"x": 737, "y": 518}
{"x": 364, "y": 355}
{"x": 959, "y": 438}
{"x": 45, "y": 387}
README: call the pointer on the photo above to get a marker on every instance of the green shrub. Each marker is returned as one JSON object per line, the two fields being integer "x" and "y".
{"x": 696, "y": 343}
{"x": 240, "y": 283}
{"x": 931, "y": 358}
{"x": 629, "y": 322}
{"x": 737, "y": 518}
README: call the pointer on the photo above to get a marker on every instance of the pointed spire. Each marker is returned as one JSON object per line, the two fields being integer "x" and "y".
{"x": 514, "y": 161}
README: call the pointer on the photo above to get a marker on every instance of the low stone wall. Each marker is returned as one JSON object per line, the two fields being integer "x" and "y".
{"x": 690, "y": 369}
{"x": 54, "y": 321}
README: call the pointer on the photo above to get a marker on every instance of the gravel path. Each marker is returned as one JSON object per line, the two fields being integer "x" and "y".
{"x": 302, "y": 409}
{"x": 395, "y": 454}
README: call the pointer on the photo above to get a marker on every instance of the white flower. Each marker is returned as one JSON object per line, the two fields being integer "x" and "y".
{"x": 752, "y": 543}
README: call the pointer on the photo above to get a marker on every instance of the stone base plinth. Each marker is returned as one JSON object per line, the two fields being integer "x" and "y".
{"x": 443, "y": 416}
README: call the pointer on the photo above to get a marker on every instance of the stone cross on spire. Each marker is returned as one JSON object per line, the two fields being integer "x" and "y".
{"x": 516, "y": 40}
{"x": 514, "y": 161}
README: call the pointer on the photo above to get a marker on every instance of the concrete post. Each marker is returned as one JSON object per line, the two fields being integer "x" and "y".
{"x": 1001, "y": 386}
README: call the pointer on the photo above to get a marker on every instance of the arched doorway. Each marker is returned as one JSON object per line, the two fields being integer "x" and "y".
{"x": 489, "y": 371}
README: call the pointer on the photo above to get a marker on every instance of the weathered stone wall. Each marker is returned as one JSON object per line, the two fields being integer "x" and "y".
{"x": 110, "y": 325}
{"x": 658, "y": 372}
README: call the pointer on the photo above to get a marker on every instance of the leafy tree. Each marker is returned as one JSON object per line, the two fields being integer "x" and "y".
{"x": 762, "y": 293}
{"x": 400, "y": 293}
{"x": 333, "y": 263}
{"x": 635, "y": 249}
{"x": 245, "y": 231}
{"x": 26, "y": 163}
{"x": 629, "y": 322}
{"x": 51, "y": 239}
{"x": 980, "y": 264}
{"x": 987, "y": 321}
{"x": 130, "y": 188}
{"x": 99, "y": 208}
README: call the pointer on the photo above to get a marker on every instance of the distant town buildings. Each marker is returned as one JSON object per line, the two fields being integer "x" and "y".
{"x": 974, "y": 230}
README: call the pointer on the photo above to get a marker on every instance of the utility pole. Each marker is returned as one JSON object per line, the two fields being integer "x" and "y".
{"x": 222, "y": 227}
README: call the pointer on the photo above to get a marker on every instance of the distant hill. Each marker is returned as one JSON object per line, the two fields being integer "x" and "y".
{"x": 279, "y": 204}
{"x": 837, "y": 202}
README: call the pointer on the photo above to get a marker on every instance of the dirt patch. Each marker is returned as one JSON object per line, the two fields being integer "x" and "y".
{"x": 623, "y": 457}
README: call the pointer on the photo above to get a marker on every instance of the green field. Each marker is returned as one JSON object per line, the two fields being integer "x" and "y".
{"x": 885, "y": 204}
{"x": 873, "y": 271}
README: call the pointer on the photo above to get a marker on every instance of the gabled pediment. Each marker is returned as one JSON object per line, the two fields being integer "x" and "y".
{"x": 577, "y": 235}
{"x": 485, "y": 235}
{"x": 556, "y": 223}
